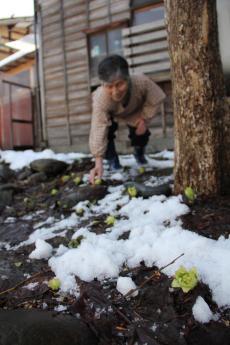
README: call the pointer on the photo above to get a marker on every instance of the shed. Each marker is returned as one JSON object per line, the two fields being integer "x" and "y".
{"x": 74, "y": 35}
{"x": 18, "y": 126}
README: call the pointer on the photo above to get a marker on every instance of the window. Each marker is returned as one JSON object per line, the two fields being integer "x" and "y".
{"x": 103, "y": 44}
{"x": 148, "y": 14}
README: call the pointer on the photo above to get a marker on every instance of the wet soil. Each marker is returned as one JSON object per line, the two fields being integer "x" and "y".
{"x": 158, "y": 315}
{"x": 209, "y": 218}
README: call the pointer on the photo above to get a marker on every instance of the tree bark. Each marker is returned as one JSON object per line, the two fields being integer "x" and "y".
{"x": 201, "y": 121}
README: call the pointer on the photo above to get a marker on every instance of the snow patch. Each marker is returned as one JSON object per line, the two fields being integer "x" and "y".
{"x": 43, "y": 250}
{"x": 125, "y": 284}
{"x": 201, "y": 311}
{"x": 20, "y": 159}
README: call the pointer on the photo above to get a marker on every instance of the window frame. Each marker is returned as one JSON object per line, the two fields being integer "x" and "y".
{"x": 94, "y": 81}
{"x": 144, "y": 8}
{"x": 136, "y": 4}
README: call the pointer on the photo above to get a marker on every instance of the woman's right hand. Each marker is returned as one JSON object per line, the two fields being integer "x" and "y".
{"x": 97, "y": 171}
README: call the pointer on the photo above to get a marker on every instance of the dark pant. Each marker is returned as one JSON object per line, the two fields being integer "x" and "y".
{"x": 136, "y": 140}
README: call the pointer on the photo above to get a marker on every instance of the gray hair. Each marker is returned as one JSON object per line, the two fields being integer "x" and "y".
{"x": 113, "y": 67}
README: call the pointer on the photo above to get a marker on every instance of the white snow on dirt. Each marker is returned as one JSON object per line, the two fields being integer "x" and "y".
{"x": 201, "y": 311}
{"x": 155, "y": 235}
{"x": 125, "y": 285}
{"x": 20, "y": 159}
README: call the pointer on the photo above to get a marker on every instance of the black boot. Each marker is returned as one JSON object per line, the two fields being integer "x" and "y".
{"x": 112, "y": 157}
{"x": 139, "y": 154}
{"x": 111, "y": 153}
{"x": 114, "y": 163}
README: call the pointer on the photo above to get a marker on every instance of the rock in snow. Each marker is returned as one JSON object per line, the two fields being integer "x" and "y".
{"x": 51, "y": 167}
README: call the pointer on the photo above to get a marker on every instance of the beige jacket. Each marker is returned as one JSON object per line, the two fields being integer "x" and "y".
{"x": 144, "y": 101}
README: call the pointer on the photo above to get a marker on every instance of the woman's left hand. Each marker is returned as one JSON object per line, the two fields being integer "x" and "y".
{"x": 141, "y": 127}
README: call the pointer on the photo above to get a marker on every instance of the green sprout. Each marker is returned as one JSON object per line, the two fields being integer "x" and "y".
{"x": 141, "y": 170}
{"x": 132, "y": 191}
{"x": 110, "y": 220}
{"x": 190, "y": 194}
{"x": 98, "y": 181}
{"x": 79, "y": 211}
{"x": 77, "y": 180}
{"x": 54, "y": 192}
{"x": 75, "y": 243}
{"x": 95, "y": 222}
{"x": 54, "y": 284}
{"x": 185, "y": 279}
{"x": 65, "y": 178}
{"x": 18, "y": 264}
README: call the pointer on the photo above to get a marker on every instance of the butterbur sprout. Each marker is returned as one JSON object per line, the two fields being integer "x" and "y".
{"x": 54, "y": 192}
{"x": 141, "y": 170}
{"x": 80, "y": 211}
{"x": 75, "y": 243}
{"x": 110, "y": 220}
{"x": 132, "y": 191}
{"x": 98, "y": 181}
{"x": 185, "y": 279}
{"x": 77, "y": 180}
{"x": 190, "y": 194}
{"x": 65, "y": 178}
{"x": 54, "y": 284}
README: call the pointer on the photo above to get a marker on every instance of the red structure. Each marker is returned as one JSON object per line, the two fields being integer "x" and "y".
{"x": 16, "y": 115}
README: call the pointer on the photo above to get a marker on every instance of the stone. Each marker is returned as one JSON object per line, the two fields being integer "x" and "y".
{"x": 83, "y": 193}
{"x": 37, "y": 327}
{"x": 51, "y": 167}
{"x": 147, "y": 191}
{"x": 6, "y": 194}
{"x": 6, "y": 198}
{"x": 37, "y": 178}
{"x": 24, "y": 174}
{"x": 5, "y": 172}
{"x": 14, "y": 234}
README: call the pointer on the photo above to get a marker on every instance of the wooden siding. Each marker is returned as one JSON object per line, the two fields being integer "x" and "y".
{"x": 146, "y": 49}
{"x": 67, "y": 94}
{"x": 65, "y": 64}
{"x": 10, "y": 30}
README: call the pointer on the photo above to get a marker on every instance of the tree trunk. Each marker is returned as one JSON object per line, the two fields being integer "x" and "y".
{"x": 198, "y": 97}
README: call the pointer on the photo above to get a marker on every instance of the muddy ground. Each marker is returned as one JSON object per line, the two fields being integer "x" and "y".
{"x": 159, "y": 315}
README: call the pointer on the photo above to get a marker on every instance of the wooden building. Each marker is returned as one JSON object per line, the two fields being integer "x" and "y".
{"x": 74, "y": 35}
{"x": 12, "y": 29}
{"x": 19, "y": 127}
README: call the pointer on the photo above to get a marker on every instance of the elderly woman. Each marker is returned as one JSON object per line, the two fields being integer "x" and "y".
{"x": 132, "y": 99}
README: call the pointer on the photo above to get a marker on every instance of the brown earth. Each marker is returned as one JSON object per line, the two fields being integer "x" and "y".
{"x": 159, "y": 315}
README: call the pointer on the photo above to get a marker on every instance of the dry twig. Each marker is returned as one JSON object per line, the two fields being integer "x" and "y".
{"x": 152, "y": 276}
{"x": 24, "y": 282}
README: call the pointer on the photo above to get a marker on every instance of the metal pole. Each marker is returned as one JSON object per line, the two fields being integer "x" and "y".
{"x": 65, "y": 73}
{"x": 11, "y": 118}
{"x": 40, "y": 71}
{"x": 109, "y": 11}
{"x": 37, "y": 101}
